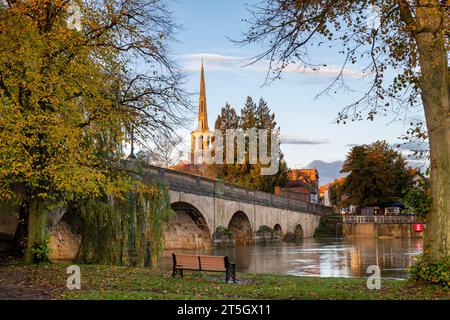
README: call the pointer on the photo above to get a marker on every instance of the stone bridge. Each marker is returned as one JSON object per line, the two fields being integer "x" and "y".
{"x": 203, "y": 204}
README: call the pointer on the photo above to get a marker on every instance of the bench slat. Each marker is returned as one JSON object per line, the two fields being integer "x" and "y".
{"x": 212, "y": 258}
{"x": 213, "y": 263}
{"x": 200, "y": 262}
{"x": 187, "y": 262}
{"x": 213, "y": 268}
{"x": 188, "y": 265}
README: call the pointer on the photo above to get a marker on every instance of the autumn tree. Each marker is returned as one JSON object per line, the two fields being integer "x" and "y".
{"x": 265, "y": 119}
{"x": 409, "y": 39}
{"x": 247, "y": 118}
{"x": 257, "y": 116}
{"x": 69, "y": 95}
{"x": 227, "y": 119}
{"x": 376, "y": 175}
{"x": 336, "y": 191}
{"x": 416, "y": 197}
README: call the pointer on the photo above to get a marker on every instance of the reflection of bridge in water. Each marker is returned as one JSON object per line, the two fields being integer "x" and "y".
{"x": 204, "y": 204}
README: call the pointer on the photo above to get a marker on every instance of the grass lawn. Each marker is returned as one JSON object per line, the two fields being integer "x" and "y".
{"x": 19, "y": 281}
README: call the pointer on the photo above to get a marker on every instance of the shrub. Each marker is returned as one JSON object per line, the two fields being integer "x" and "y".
{"x": 431, "y": 272}
{"x": 417, "y": 198}
{"x": 265, "y": 230}
{"x": 41, "y": 252}
{"x": 223, "y": 232}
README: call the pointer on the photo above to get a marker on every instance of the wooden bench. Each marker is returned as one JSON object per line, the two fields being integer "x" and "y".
{"x": 203, "y": 263}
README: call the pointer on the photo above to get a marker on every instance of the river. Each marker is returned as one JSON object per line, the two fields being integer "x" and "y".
{"x": 320, "y": 257}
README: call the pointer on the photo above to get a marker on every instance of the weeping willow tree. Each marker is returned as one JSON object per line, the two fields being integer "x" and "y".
{"x": 125, "y": 231}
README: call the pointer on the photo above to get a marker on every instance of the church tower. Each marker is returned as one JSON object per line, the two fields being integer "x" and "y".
{"x": 201, "y": 137}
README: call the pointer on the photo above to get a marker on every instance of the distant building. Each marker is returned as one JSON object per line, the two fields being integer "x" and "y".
{"x": 371, "y": 211}
{"x": 303, "y": 184}
{"x": 325, "y": 195}
{"x": 393, "y": 208}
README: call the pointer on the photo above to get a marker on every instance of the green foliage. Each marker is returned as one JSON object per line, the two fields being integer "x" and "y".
{"x": 376, "y": 174}
{"x": 248, "y": 175}
{"x": 50, "y": 90}
{"x": 101, "y": 231}
{"x": 40, "y": 252}
{"x": 127, "y": 231}
{"x": 266, "y": 230}
{"x": 436, "y": 272}
{"x": 227, "y": 119}
{"x": 417, "y": 198}
{"x": 221, "y": 231}
{"x": 156, "y": 205}
{"x": 336, "y": 191}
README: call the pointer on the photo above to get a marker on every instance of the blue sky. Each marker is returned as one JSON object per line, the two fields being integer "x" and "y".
{"x": 206, "y": 24}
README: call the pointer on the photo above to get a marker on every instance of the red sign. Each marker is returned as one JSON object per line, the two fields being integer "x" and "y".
{"x": 418, "y": 227}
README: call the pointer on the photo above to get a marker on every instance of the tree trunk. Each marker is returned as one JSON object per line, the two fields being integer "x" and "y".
{"x": 20, "y": 236}
{"x": 435, "y": 93}
{"x": 36, "y": 227}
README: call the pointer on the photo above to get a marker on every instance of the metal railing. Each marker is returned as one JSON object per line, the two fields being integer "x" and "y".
{"x": 380, "y": 219}
{"x": 180, "y": 181}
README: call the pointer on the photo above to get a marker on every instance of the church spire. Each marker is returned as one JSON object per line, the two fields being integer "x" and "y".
{"x": 201, "y": 138}
{"x": 202, "y": 114}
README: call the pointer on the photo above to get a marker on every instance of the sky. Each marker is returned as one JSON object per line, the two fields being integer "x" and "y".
{"x": 308, "y": 123}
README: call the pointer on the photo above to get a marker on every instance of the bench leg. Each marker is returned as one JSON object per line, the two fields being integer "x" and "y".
{"x": 227, "y": 275}
{"x": 177, "y": 271}
{"x": 233, "y": 272}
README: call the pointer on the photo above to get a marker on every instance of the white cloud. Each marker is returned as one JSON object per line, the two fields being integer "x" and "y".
{"x": 218, "y": 62}
{"x": 237, "y": 64}
{"x": 291, "y": 139}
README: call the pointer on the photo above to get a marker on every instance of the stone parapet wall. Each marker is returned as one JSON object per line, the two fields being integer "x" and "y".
{"x": 180, "y": 181}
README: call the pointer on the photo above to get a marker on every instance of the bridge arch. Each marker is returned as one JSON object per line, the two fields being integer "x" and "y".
{"x": 298, "y": 232}
{"x": 279, "y": 231}
{"x": 242, "y": 230}
{"x": 294, "y": 234}
{"x": 188, "y": 230}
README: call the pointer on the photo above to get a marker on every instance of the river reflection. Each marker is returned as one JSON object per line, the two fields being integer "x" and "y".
{"x": 320, "y": 257}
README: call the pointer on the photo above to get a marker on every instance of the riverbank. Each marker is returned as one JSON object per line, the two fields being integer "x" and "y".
{"x": 19, "y": 281}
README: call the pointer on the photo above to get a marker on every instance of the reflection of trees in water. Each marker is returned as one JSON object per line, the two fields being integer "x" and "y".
{"x": 391, "y": 255}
